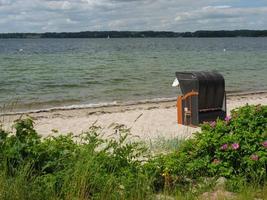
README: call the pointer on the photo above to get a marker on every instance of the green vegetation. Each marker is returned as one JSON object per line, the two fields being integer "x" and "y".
{"x": 234, "y": 148}
{"x": 138, "y": 34}
{"x": 68, "y": 167}
{"x": 89, "y": 167}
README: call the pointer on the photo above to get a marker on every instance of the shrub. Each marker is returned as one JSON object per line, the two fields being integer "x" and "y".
{"x": 233, "y": 148}
{"x": 68, "y": 167}
{"x": 90, "y": 167}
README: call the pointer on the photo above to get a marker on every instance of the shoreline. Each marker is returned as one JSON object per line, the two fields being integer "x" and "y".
{"x": 147, "y": 121}
{"x": 115, "y": 104}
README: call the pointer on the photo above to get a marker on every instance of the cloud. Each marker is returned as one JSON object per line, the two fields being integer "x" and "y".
{"x": 5, "y": 2}
{"x": 214, "y": 12}
{"x": 225, "y": 17}
{"x": 173, "y": 15}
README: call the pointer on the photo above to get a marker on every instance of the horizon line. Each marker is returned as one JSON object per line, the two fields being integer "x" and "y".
{"x": 134, "y": 31}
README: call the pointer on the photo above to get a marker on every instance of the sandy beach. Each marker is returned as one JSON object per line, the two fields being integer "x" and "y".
{"x": 147, "y": 121}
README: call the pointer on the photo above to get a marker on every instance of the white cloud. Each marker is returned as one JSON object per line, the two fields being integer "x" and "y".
{"x": 215, "y": 12}
{"x": 64, "y": 5}
{"x": 224, "y": 17}
{"x": 5, "y": 2}
{"x": 174, "y": 15}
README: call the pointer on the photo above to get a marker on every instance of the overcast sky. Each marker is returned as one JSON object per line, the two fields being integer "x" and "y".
{"x": 167, "y": 15}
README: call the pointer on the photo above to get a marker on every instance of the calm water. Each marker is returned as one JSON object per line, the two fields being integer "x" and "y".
{"x": 43, "y": 73}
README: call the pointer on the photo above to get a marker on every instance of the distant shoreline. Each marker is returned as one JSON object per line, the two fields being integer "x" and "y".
{"x": 138, "y": 34}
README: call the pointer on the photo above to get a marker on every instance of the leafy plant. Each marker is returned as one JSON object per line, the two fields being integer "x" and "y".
{"x": 69, "y": 167}
{"x": 233, "y": 148}
{"x": 90, "y": 167}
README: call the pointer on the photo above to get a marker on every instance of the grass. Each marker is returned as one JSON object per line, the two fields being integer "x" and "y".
{"x": 90, "y": 167}
{"x": 165, "y": 145}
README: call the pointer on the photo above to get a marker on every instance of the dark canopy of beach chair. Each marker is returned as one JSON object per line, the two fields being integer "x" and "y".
{"x": 210, "y": 89}
{"x": 209, "y": 85}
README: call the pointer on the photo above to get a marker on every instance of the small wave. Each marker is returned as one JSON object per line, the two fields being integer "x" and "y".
{"x": 118, "y": 80}
{"x": 128, "y": 103}
{"x": 62, "y": 86}
{"x": 71, "y": 107}
{"x": 92, "y": 105}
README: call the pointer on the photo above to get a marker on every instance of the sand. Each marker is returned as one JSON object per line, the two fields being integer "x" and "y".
{"x": 148, "y": 121}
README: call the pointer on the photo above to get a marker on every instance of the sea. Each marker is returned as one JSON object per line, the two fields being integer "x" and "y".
{"x": 38, "y": 74}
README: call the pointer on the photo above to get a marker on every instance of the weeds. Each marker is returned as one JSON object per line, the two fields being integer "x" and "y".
{"x": 233, "y": 148}
{"x": 90, "y": 167}
{"x": 59, "y": 167}
{"x": 165, "y": 145}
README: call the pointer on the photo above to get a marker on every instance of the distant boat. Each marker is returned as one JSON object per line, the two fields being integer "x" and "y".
{"x": 108, "y": 37}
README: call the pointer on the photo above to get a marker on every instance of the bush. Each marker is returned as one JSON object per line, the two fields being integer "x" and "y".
{"x": 89, "y": 167}
{"x": 60, "y": 168}
{"x": 234, "y": 148}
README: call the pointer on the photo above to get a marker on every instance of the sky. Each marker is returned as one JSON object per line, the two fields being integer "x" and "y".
{"x": 133, "y": 15}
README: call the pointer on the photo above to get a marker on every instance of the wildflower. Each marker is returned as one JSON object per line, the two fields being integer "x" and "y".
{"x": 235, "y": 146}
{"x": 264, "y": 144}
{"x": 224, "y": 146}
{"x": 227, "y": 118}
{"x": 213, "y": 124}
{"x": 216, "y": 161}
{"x": 254, "y": 157}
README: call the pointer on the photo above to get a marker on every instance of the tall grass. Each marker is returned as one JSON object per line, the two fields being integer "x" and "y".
{"x": 65, "y": 167}
{"x": 165, "y": 145}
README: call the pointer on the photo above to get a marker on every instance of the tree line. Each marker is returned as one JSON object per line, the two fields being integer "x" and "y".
{"x": 137, "y": 34}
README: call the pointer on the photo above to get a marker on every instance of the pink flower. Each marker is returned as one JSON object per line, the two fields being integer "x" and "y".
{"x": 213, "y": 124}
{"x": 224, "y": 146}
{"x": 235, "y": 146}
{"x": 264, "y": 144}
{"x": 254, "y": 157}
{"x": 227, "y": 118}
